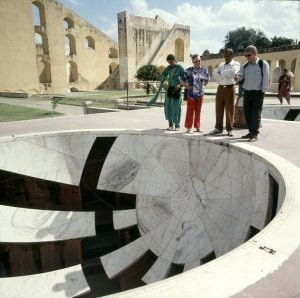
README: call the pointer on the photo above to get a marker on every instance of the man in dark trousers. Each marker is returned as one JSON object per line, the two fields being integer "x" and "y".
{"x": 255, "y": 76}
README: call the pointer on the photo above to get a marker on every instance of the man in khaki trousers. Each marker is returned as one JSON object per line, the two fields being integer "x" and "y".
{"x": 224, "y": 75}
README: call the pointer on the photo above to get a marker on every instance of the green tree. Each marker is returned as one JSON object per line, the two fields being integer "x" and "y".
{"x": 148, "y": 73}
{"x": 240, "y": 38}
{"x": 281, "y": 41}
{"x": 206, "y": 53}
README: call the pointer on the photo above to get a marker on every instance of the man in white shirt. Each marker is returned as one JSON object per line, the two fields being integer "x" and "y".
{"x": 224, "y": 75}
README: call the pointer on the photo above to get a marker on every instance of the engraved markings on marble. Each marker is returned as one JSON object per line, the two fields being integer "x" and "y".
{"x": 192, "y": 198}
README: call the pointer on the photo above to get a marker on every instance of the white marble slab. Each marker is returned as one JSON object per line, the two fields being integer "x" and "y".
{"x": 158, "y": 271}
{"x": 124, "y": 219}
{"x": 119, "y": 260}
{"x": 19, "y": 225}
{"x": 56, "y": 157}
{"x": 68, "y": 282}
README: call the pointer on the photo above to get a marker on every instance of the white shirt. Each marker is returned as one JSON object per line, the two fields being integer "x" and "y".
{"x": 224, "y": 73}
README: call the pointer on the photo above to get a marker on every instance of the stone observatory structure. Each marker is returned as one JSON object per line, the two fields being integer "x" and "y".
{"x": 47, "y": 48}
{"x": 149, "y": 41}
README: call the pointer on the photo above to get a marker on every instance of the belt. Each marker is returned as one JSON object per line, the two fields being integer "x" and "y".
{"x": 226, "y": 86}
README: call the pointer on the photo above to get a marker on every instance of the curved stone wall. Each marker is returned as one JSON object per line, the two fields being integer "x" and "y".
{"x": 194, "y": 196}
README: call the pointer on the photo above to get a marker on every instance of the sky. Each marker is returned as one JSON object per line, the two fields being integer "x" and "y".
{"x": 209, "y": 20}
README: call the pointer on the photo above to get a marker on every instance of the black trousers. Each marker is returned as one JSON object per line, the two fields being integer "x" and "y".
{"x": 253, "y": 103}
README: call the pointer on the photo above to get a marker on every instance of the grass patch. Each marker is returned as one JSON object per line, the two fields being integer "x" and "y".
{"x": 14, "y": 113}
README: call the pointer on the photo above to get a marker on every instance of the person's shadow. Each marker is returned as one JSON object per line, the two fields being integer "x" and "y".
{"x": 75, "y": 284}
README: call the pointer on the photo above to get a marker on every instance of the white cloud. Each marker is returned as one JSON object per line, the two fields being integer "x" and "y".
{"x": 210, "y": 23}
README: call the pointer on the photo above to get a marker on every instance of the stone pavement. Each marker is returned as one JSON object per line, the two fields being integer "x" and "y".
{"x": 281, "y": 137}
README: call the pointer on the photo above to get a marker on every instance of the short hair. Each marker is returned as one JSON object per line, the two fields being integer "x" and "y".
{"x": 251, "y": 49}
{"x": 228, "y": 51}
{"x": 195, "y": 56}
{"x": 171, "y": 57}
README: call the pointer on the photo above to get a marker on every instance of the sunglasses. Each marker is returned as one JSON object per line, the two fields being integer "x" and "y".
{"x": 198, "y": 61}
{"x": 248, "y": 55}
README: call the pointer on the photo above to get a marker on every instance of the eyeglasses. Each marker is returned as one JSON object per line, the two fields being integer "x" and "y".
{"x": 197, "y": 61}
{"x": 248, "y": 55}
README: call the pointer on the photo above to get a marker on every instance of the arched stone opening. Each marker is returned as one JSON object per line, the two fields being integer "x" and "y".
{"x": 68, "y": 23}
{"x": 282, "y": 64}
{"x": 112, "y": 67}
{"x": 112, "y": 53}
{"x": 293, "y": 66}
{"x": 38, "y": 13}
{"x": 72, "y": 72}
{"x": 41, "y": 43}
{"x": 44, "y": 71}
{"x": 90, "y": 42}
{"x": 70, "y": 45}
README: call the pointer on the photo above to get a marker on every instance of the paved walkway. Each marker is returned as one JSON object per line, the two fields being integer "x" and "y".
{"x": 281, "y": 137}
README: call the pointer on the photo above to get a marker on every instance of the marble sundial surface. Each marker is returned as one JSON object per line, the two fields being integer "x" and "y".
{"x": 192, "y": 198}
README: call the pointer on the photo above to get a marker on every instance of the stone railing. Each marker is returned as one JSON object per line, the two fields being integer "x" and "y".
{"x": 261, "y": 51}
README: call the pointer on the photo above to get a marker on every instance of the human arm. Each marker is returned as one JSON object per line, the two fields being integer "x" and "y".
{"x": 206, "y": 77}
{"x": 185, "y": 79}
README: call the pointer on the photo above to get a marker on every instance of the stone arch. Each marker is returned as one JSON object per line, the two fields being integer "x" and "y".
{"x": 72, "y": 72}
{"x": 90, "y": 42}
{"x": 70, "y": 45}
{"x": 293, "y": 66}
{"x": 38, "y": 12}
{"x": 179, "y": 49}
{"x": 34, "y": 91}
{"x": 282, "y": 64}
{"x": 276, "y": 74}
{"x": 112, "y": 67}
{"x": 41, "y": 43}
{"x": 68, "y": 23}
{"x": 161, "y": 68}
{"x": 112, "y": 53}
{"x": 44, "y": 71}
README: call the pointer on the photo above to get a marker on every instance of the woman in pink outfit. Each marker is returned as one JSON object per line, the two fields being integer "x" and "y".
{"x": 194, "y": 79}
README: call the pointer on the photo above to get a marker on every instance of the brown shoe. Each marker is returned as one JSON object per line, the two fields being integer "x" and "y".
{"x": 247, "y": 136}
